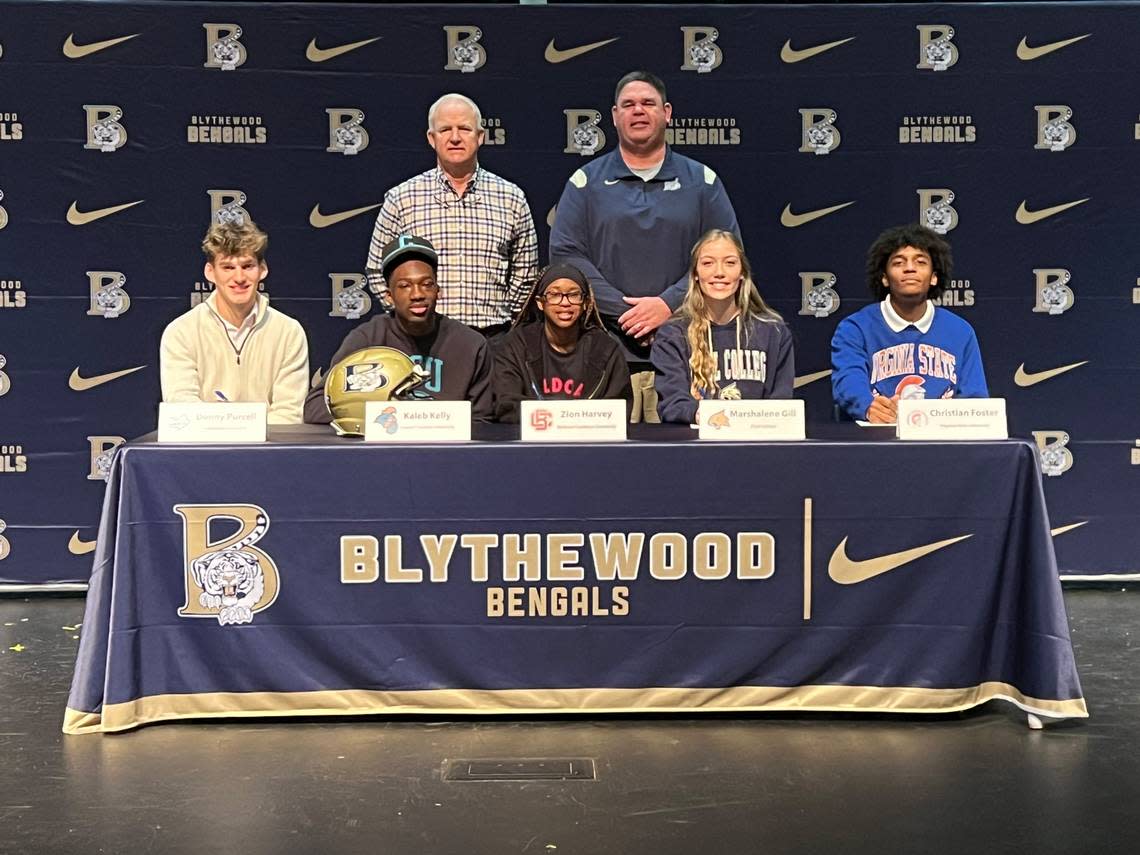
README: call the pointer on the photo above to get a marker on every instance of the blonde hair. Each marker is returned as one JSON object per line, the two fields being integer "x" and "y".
{"x": 749, "y": 305}
{"x": 232, "y": 240}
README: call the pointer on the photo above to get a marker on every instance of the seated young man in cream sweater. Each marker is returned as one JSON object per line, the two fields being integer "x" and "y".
{"x": 233, "y": 346}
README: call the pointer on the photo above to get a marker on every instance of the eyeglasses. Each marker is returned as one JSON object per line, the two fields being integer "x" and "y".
{"x": 574, "y": 298}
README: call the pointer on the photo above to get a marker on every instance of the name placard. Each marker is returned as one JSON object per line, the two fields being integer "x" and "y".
{"x": 750, "y": 420}
{"x": 417, "y": 421}
{"x": 203, "y": 421}
{"x": 573, "y": 421}
{"x": 953, "y": 418}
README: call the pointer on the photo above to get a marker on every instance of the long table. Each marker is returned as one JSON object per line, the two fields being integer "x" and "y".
{"x": 318, "y": 575}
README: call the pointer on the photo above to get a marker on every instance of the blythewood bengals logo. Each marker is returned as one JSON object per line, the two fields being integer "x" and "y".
{"x": 583, "y": 134}
{"x": 1053, "y": 294}
{"x": 818, "y": 296}
{"x": 1055, "y": 131}
{"x": 1056, "y": 458}
{"x": 350, "y": 297}
{"x": 224, "y": 49}
{"x": 700, "y": 51}
{"x": 104, "y": 130}
{"x": 347, "y": 134}
{"x": 936, "y": 51}
{"x": 819, "y": 134}
{"x": 108, "y": 296}
{"x": 464, "y": 53}
{"x": 935, "y": 211}
{"x": 227, "y": 206}
{"x": 228, "y": 579}
{"x": 102, "y": 449}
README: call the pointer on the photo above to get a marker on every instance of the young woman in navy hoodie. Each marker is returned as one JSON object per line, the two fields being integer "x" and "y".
{"x": 724, "y": 341}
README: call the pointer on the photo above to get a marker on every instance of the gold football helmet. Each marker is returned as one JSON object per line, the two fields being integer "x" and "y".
{"x": 370, "y": 374}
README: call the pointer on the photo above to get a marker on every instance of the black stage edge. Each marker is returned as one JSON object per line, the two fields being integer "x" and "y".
{"x": 852, "y": 784}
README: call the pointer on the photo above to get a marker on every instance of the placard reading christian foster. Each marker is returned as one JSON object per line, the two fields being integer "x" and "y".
{"x": 573, "y": 421}
{"x": 417, "y": 421}
{"x": 751, "y": 420}
{"x": 952, "y": 418}
{"x": 200, "y": 421}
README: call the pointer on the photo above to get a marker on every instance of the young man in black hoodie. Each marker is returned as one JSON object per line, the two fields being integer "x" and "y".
{"x": 456, "y": 358}
{"x": 558, "y": 348}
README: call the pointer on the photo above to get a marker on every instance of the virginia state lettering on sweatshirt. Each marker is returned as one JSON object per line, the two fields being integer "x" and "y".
{"x": 900, "y": 359}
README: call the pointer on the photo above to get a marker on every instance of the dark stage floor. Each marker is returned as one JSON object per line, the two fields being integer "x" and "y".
{"x": 977, "y": 782}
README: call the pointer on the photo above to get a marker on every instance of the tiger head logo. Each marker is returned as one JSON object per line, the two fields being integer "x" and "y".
{"x": 227, "y": 578}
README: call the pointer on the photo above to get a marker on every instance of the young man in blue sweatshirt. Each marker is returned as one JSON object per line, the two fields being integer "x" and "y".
{"x": 904, "y": 346}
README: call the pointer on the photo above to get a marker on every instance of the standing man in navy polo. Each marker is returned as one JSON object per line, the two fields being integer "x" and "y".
{"x": 629, "y": 220}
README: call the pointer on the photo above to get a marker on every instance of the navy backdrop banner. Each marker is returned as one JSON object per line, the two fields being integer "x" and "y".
{"x": 272, "y": 579}
{"x": 124, "y": 127}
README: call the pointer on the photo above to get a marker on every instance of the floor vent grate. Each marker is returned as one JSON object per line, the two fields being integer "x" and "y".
{"x": 520, "y": 769}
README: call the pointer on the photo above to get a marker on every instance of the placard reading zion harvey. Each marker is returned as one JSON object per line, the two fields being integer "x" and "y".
{"x": 574, "y": 421}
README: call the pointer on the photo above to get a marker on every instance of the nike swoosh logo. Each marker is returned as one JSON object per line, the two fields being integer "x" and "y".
{"x": 73, "y": 51}
{"x": 790, "y": 55}
{"x": 845, "y": 571}
{"x": 1027, "y": 217}
{"x": 82, "y": 384}
{"x": 79, "y": 547}
{"x": 554, "y": 55}
{"x": 81, "y": 218}
{"x": 1064, "y": 528}
{"x": 316, "y": 54}
{"x": 1025, "y": 378}
{"x": 610, "y": 182}
{"x": 322, "y": 221}
{"x": 791, "y": 221}
{"x": 804, "y": 379}
{"x": 1027, "y": 53}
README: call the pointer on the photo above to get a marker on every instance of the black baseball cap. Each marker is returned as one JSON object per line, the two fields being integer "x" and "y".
{"x": 405, "y": 247}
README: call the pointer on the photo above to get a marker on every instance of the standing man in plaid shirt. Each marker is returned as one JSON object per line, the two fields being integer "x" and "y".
{"x": 480, "y": 223}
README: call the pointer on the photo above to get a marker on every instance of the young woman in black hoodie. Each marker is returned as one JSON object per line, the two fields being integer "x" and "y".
{"x": 558, "y": 348}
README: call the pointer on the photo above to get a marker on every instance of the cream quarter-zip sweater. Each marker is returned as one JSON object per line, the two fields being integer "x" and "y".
{"x": 199, "y": 362}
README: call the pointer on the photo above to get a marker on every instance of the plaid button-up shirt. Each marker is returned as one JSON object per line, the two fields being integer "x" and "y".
{"x": 488, "y": 249}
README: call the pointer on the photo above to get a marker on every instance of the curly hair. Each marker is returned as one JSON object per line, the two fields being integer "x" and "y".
{"x": 231, "y": 240}
{"x": 694, "y": 309}
{"x": 894, "y": 239}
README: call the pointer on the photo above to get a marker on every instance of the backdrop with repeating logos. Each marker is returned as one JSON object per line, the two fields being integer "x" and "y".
{"x": 124, "y": 128}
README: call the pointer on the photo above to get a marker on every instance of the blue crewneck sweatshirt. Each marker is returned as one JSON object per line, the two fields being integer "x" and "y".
{"x": 869, "y": 358}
